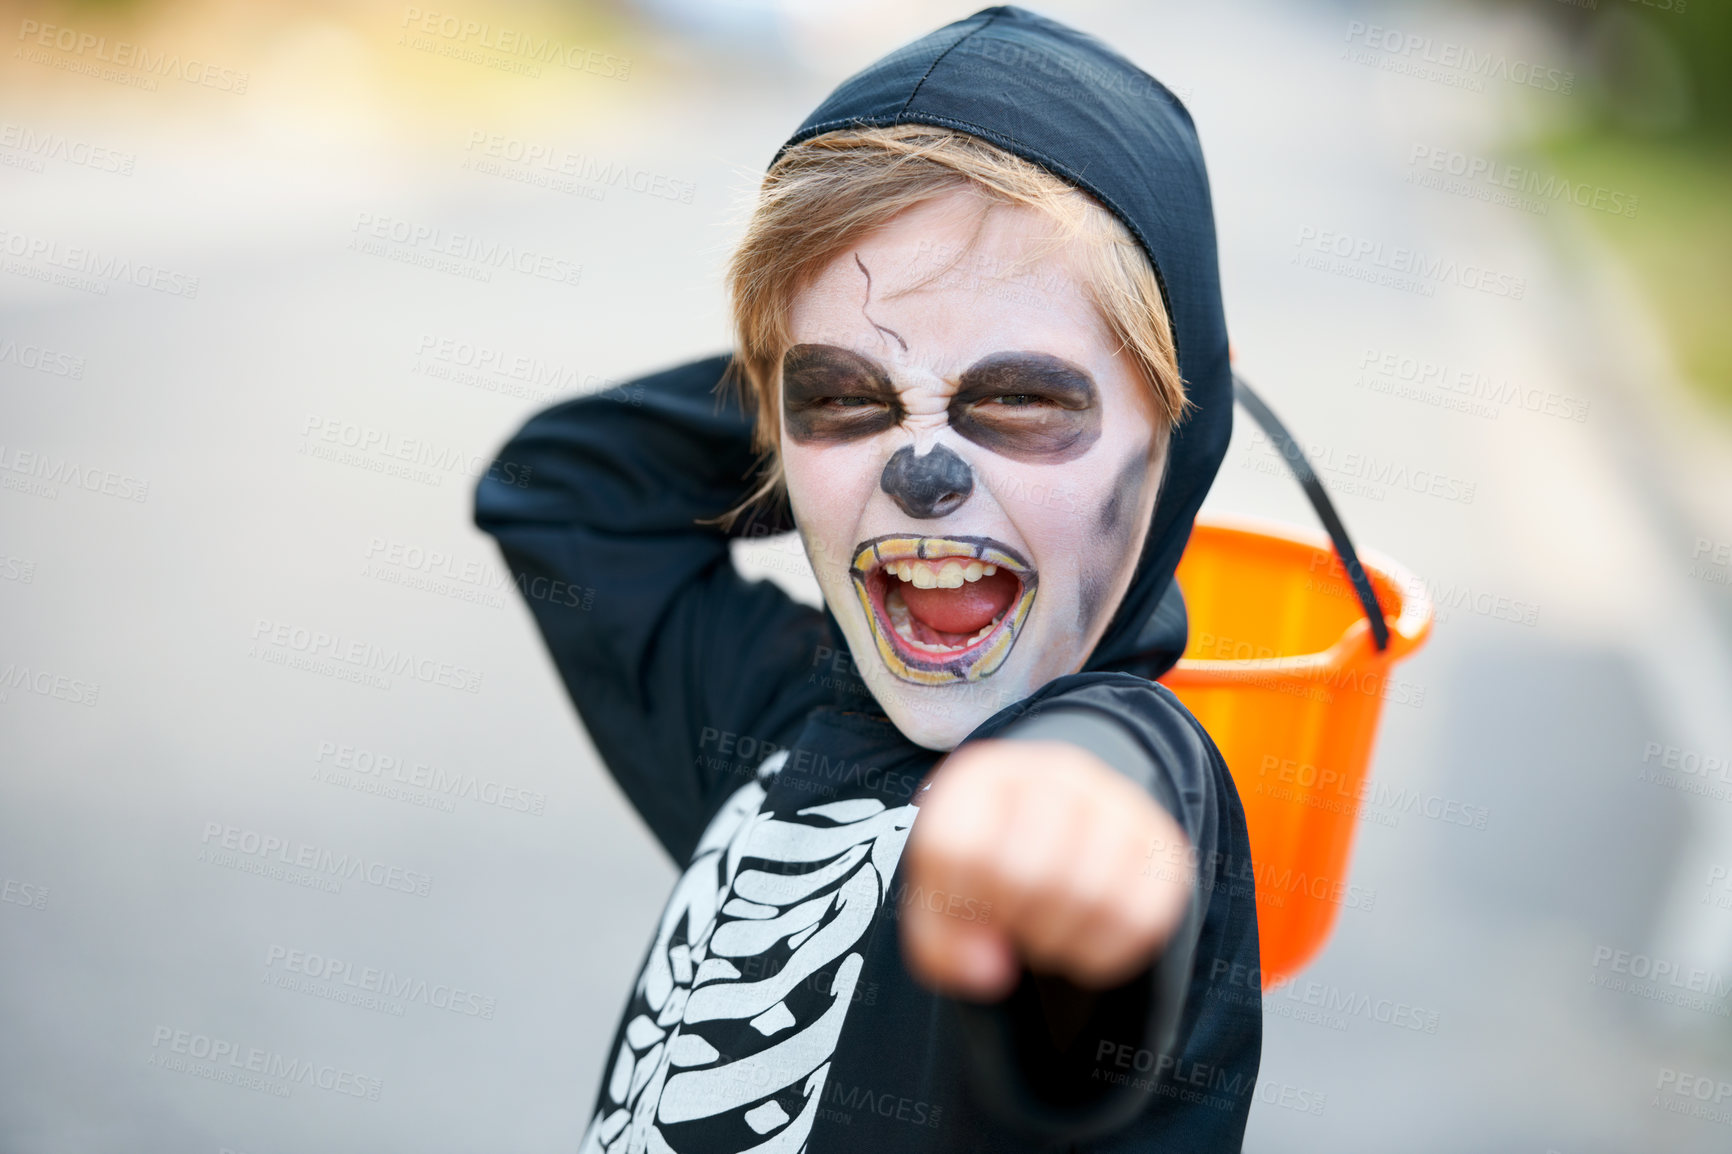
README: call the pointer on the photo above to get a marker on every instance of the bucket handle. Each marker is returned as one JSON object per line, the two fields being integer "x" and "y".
{"x": 1296, "y": 460}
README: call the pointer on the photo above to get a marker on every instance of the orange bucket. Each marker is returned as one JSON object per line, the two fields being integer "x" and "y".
{"x": 1282, "y": 670}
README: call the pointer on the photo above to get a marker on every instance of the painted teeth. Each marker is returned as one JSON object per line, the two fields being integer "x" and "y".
{"x": 951, "y": 574}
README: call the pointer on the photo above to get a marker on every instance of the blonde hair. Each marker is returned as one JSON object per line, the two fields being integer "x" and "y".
{"x": 824, "y": 194}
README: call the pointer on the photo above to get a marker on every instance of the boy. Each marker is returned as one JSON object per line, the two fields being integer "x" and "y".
{"x": 982, "y": 355}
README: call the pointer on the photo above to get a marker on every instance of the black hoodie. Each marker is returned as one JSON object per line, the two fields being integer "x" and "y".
{"x": 773, "y": 1011}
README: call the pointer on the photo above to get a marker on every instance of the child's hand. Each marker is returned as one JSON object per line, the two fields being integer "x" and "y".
{"x": 1037, "y": 852}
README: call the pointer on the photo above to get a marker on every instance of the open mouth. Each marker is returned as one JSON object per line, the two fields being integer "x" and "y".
{"x": 943, "y": 609}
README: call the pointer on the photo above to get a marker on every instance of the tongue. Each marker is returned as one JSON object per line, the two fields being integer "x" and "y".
{"x": 965, "y": 610}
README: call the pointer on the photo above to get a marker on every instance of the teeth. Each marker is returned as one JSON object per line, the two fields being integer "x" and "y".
{"x": 951, "y": 574}
{"x": 951, "y": 571}
{"x": 925, "y": 648}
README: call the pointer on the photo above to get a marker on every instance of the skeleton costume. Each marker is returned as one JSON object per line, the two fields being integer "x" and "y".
{"x": 773, "y": 1011}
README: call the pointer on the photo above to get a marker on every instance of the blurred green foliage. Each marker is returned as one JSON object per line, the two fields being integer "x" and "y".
{"x": 1679, "y": 243}
{"x": 1648, "y": 67}
{"x": 1702, "y": 37}
{"x": 1654, "y": 118}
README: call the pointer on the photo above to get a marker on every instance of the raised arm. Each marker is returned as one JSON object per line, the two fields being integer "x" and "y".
{"x": 671, "y": 657}
{"x": 1098, "y": 830}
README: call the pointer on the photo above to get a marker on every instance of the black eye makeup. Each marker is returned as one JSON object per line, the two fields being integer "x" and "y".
{"x": 832, "y": 394}
{"x": 1031, "y": 407}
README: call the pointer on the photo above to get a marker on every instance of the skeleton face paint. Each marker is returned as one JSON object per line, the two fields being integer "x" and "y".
{"x": 972, "y": 460}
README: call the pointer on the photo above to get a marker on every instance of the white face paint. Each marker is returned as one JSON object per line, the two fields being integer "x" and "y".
{"x": 972, "y": 462}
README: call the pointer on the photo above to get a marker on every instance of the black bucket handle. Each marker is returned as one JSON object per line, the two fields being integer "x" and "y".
{"x": 1296, "y": 460}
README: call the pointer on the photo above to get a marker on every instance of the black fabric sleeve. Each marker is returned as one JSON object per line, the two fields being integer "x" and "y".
{"x": 677, "y": 665}
{"x": 1040, "y": 1054}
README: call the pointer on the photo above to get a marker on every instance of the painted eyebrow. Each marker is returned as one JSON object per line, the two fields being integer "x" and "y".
{"x": 833, "y": 365}
{"x": 1052, "y": 377}
{"x": 813, "y": 374}
{"x": 1061, "y": 429}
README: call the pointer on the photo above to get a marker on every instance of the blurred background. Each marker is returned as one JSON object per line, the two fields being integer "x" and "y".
{"x": 258, "y": 337}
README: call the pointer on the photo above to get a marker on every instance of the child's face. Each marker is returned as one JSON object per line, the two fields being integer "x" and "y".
{"x": 972, "y": 464}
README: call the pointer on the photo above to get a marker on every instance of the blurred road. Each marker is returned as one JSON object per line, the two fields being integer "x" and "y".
{"x": 1570, "y": 833}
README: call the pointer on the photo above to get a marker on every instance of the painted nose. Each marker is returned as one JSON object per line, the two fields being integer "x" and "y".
{"x": 929, "y": 486}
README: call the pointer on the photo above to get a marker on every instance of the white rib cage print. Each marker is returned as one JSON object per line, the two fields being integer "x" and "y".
{"x": 813, "y": 890}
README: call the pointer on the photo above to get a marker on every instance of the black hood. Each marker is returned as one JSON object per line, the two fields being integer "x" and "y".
{"x": 1066, "y": 102}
